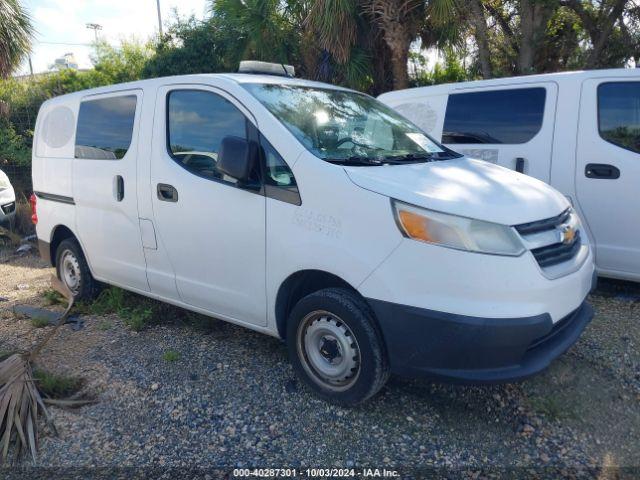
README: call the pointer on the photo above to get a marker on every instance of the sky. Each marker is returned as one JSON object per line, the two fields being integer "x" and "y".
{"x": 60, "y": 22}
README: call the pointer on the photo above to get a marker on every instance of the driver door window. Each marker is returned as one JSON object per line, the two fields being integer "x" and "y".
{"x": 197, "y": 122}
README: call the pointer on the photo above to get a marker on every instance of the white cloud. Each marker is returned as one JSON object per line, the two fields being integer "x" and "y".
{"x": 61, "y": 25}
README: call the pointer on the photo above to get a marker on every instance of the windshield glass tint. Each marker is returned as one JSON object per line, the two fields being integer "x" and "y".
{"x": 335, "y": 124}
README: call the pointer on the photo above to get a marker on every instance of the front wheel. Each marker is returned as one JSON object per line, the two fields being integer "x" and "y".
{"x": 335, "y": 347}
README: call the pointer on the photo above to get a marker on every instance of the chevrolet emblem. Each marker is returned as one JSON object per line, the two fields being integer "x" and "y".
{"x": 567, "y": 234}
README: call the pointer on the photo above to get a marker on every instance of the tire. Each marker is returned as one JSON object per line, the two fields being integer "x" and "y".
{"x": 72, "y": 270}
{"x": 336, "y": 348}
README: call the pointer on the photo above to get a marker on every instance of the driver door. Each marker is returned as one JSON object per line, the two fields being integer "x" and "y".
{"x": 212, "y": 229}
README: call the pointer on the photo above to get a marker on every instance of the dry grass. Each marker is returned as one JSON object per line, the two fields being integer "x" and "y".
{"x": 22, "y": 224}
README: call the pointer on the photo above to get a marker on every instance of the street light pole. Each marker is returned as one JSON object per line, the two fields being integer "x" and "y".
{"x": 95, "y": 27}
{"x": 159, "y": 18}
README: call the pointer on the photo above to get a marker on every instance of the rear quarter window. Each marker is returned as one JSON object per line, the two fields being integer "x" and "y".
{"x": 105, "y": 127}
{"x": 511, "y": 116}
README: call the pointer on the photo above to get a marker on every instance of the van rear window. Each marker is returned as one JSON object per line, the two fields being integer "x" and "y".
{"x": 494, "y": 117}
{"x": 105, "y": 127}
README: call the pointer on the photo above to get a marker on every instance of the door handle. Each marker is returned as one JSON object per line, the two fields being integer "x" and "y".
{"x": 167, "y": 193}
{"x": 520, "y": 162}
{"x": 119, "y": 184}
{"x": 601, "y": 170}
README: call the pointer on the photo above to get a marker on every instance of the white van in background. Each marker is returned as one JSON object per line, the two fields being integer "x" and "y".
{"x": 7, "y": 201}
{"x": 577, "y": 131}
{"x": 315, "y": 214}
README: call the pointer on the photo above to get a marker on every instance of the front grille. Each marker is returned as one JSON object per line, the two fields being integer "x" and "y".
{"x": 8, "y": 208}
{"x": 542, "y": 225}
{"x": 545, "y": 239}
{"x": 557, "y": 252}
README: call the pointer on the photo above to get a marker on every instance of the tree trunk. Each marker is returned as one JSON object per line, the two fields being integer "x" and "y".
{"x": 603, "y": 33}
{"x": 599, "y": 27}
{"x": 398, "y": 40}
{"x": 526, "y": 52}
{"x": 399, "y": 21}
{"x": 481, "y": 36}
{"x": 399, "y": 59}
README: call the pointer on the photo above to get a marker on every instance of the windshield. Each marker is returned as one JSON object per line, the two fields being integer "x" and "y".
{"x": 343, "y": 126}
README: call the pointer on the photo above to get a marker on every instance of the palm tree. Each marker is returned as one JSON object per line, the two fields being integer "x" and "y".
{"x": 16, "y": 32}
{"x": 388, "y": 27}
{"x": 262, "y": 27}
{"x": 400, "y": 22}
{"x": 349, "y": 42}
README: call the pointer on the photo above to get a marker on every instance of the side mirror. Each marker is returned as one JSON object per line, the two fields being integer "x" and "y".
{"x": 236, "y": 157}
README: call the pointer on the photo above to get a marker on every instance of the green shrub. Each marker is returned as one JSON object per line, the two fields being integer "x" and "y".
{"x": 39, "y": 322}
{"x": 53, "y": 385}
{"x": 105, "y": 325}
{"x": 53, "y": 297}
{"x": 171, "y": 356}
{"x": 20, "y": 99}
{"x": 135, "y": 311}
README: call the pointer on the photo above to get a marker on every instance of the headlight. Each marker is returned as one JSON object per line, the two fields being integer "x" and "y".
{"x": 456, "y": 232}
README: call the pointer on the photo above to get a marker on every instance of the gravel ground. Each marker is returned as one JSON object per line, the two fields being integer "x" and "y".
{"x": 231, "y": 400}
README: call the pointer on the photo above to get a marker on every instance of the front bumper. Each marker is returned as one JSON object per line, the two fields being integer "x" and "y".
{"x": 464, "y": 349}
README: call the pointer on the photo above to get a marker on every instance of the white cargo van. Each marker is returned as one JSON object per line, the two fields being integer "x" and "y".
{"x": 315, "y": 214}
{"x": 577, "y": 131}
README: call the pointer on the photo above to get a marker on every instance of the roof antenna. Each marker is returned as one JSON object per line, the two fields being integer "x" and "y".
{"x": 286, "y": 73}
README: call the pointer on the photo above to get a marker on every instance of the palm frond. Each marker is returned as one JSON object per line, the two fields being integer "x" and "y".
{"x": 16, "y": 31}
{"x": 443, "y": 11}
{"x": 20, "y": 401}
{"x": 335, "y": 22}
{"x": 358, "y": 72}
{"x": 260, "y": 24}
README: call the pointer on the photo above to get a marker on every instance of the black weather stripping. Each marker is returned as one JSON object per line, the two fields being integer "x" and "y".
{"x": 55, "y": 198}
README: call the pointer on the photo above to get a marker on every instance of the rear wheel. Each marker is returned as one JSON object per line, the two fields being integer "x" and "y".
{"x": 335, "y": 347}
{"x": 73, "y": 270}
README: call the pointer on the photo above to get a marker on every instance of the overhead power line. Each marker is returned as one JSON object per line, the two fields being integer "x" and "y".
{"x": 66, "y": 43}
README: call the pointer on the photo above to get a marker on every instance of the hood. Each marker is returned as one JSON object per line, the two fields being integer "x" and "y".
{"x": 464, "y": 187}
{"x": 7, "y": 194}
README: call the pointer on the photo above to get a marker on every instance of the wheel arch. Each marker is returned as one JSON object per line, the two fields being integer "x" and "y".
{"x": 300, "y": 284}
{"x": 59, "y": 233}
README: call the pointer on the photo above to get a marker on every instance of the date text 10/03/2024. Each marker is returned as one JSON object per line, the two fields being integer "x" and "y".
{"x": 316, "y": 472}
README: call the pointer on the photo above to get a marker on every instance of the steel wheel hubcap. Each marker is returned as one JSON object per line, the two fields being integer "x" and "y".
{"x": 70, "y": 270}
{"x": 329, "y": 351}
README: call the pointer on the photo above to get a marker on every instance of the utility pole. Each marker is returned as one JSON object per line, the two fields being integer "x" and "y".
{"x": 30, "y": 66}
{"x": 159, "y": 18}
{"x": 95, "y": 27}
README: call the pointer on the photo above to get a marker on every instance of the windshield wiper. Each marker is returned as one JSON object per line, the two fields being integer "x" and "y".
{"x": 426, "y": 157}
{"x": 409, "y": 157}
{"x": 382, "y": 160}
{"x": 357, "y": 160}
